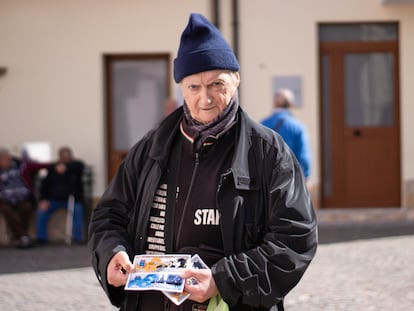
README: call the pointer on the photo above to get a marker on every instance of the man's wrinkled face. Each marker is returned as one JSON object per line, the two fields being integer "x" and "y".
{"x": 208, "y": 93}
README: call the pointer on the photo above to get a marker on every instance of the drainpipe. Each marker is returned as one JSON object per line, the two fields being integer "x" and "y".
{"x": 216, "y": 13}
{"x": 235, "y": 7}
{"x": 235, "y": 23}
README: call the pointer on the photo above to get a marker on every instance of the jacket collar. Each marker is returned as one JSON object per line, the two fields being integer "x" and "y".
{"x": 165, "y": 134}
{"x": 282, "y": 111}
{"x": 244, "y": 175}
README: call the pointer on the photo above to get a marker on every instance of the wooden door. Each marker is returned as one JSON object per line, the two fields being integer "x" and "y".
{"x": 136, "y": 87}
{"x": 361, "y": 124}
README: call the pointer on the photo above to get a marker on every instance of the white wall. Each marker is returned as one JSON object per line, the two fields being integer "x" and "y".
{"x": 53, "y": 90}
{"x": 53, "y": 51}
{"x": 280, "y": 38}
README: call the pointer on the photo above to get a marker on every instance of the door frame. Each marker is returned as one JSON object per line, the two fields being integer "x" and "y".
{"x": 108, "y": 60}
{"x": 336, "y": 50}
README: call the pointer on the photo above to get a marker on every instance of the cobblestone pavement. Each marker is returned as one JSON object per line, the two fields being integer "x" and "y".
{"x": 71, "y": 289}
{"x": 362, "y": 275}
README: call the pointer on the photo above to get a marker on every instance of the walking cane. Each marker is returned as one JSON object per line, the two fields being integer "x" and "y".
{"x": 69, "y": 220}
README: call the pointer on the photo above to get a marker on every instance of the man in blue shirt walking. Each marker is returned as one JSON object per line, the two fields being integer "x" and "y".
{"x": 291, "y": 129}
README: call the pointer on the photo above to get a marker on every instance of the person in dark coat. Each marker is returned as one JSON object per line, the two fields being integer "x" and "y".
{"x": 209, "y": 181}
{"x": 15, "y": 200}
{"x": 64, "y": 179}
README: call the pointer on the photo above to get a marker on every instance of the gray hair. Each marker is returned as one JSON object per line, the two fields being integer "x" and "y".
{"x": 287, "y": 96}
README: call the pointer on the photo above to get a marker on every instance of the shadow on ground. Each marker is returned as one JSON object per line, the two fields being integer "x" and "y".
{"x": 60, "y": 256}
{"x": 44, "y": 258}
{"x": 342, "y": 232}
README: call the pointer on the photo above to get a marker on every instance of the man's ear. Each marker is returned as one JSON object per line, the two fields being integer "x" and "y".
{"x": 237, "y": 79}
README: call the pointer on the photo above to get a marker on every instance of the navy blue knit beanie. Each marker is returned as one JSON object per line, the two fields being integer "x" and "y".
{"x": 202, "y": 48}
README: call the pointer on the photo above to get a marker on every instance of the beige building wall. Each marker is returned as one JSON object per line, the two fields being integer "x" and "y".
{"x": 280, "y": 38}
{"x": 53, "y": 90}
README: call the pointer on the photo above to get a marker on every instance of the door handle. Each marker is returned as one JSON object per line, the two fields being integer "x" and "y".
{"x": 357, "y": 133}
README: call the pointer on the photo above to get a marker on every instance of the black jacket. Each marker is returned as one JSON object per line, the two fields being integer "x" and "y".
{"x": 267, "y": 219}
{"x": 58, "y": 187}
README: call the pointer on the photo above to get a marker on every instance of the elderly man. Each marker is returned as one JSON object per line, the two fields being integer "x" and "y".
{"x": 209, "y": 181}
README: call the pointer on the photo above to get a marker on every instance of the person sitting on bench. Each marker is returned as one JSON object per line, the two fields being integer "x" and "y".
{"x": 64, "y": 178}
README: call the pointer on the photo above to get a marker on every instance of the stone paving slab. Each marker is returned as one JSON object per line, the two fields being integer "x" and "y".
{"x": 362, "y": 275}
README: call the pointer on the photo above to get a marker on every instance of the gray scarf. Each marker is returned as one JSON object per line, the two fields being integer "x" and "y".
{"x": 201, "y": 133}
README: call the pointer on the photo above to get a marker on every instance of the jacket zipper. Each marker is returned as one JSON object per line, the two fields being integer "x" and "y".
{"x": 190, "y": 188}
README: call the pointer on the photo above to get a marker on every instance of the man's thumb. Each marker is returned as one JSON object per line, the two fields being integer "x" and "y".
{"x": 187, "y": 273}
{"x": 123, "y": 260}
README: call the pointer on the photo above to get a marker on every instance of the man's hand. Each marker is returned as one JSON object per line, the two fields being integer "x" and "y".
{"x": 205, "y": 287}
{"x": 118, "y": 269}
{"x": 44, "y": 205}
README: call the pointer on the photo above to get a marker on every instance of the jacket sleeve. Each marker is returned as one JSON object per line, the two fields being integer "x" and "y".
{"x": 261, "y": 274}
{"x": 108, "y": 229}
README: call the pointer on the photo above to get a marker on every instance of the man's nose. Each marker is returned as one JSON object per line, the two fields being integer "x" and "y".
{"x": 206, "y": 96}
